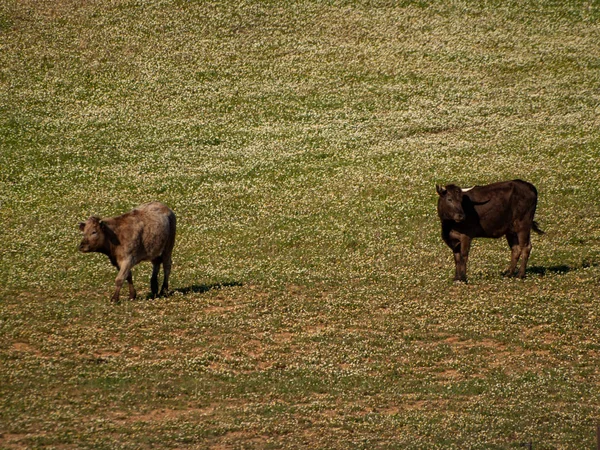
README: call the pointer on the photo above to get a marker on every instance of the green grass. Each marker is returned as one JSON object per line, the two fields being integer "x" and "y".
{"x": 299, "y": 144}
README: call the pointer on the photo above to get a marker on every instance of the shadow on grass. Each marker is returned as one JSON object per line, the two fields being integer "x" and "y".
{"x": 542, "y": 270}
{"x": 560, "y": 269}
{"x": 202, "y": 288}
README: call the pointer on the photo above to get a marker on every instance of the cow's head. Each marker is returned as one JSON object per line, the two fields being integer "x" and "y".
{"x": 93, "y": 234}
{"x": 450, "y": 203}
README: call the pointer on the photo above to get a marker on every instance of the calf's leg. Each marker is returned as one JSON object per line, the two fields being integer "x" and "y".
{"x": 154, "y": 279}
{"x": 132, "y": 293}
{"x": 166, "y": 258}
{"x": 164, "y": 290}
{"x": 124, "y": 274}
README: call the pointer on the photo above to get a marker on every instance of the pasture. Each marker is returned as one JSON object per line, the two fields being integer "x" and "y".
{"x": 299, "y": 144}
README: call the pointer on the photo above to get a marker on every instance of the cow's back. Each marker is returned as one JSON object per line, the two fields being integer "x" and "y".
{"x": 517, "y": 195}
{"x": 503, "y": 207}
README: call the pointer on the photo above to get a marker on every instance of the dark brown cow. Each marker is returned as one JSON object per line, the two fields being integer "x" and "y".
{"x": 499, "y": 209}
{"x": 147, "y": 233}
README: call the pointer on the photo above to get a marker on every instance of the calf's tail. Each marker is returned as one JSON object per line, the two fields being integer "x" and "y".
{"x": 536, "y": 228}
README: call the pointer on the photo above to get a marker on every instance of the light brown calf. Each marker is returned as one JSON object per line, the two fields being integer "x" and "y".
{"x": 146, "y": 233}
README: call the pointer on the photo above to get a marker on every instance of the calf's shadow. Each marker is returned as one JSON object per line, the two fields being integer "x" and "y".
{"x": 198, "y": 289}
{"x": 202, "y": 288}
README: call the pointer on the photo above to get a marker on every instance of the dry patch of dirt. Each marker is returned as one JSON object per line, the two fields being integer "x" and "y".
{"x": 11, "y": 440}
{"x": 165, "y": 414}
{"x": 24, "y": 347}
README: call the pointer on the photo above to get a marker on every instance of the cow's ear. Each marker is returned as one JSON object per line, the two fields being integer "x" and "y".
{"x": 440, "y": 190}
{"x": 81, "y": 226}
{"x": 102, "y": 225}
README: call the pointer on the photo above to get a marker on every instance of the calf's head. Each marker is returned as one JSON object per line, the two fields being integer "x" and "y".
{"x": 93, "y": 235}
{"x": 450, "y": 203}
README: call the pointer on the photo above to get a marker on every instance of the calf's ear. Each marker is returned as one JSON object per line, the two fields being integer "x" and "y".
{"x": 81, "y": 226}
{"x": 440, "y": 190}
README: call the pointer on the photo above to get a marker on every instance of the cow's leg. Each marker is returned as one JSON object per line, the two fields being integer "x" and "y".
{"x": 154, "y": 279}
{"x": 167, "y": 261}
{"x": 525, "y": 244}
{"x": 461, "y": 256}
{"x": 465, "y": 246}
{"x": 515, "y": 249}
{"x": 458, "y": 266}
{"x": 124, "y": 274}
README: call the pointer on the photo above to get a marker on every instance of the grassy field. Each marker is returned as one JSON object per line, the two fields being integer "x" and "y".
{"x": 299, "y": 144}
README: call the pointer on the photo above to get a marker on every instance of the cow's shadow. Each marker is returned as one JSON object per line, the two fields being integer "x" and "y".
{"x": 560, "y": 269}
{"x": 203, "y": 288}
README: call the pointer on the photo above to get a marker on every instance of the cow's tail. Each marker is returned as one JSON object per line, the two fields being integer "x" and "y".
{"x": 536, "y": 228}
